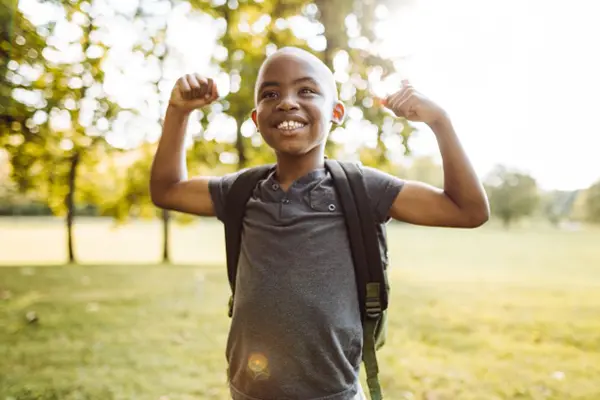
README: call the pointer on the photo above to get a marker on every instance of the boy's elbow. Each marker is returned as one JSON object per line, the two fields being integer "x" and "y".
{"x": 478, "y": 217}
{"x": 477, "y": 221}
{"x": 158, "y": 195}
{"x": 157, "y": 200}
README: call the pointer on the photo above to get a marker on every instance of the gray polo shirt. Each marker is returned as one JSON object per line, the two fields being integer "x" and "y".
{"x": 296, "y": 331}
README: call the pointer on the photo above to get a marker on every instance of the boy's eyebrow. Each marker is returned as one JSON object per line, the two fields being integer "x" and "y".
{"x": 299, "y": 80}
{"x": 307, "y": 79}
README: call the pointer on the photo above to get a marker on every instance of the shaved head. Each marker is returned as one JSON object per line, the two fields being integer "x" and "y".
{"x": 296, "y": 102}
{"x": 324, "y": 76}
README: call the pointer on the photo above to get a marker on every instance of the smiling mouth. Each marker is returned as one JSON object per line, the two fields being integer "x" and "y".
{"x": 290, "y": 126}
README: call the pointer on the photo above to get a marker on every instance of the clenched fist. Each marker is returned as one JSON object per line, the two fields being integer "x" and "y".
{"x": 414, "y": 106}
{"x": 192, "y": 91}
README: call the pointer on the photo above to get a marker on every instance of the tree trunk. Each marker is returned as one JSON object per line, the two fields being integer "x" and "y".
{"x": 166, "y": 218}
{"x": 240, "y": 146}
{"x": 69, "y": 202}
{"x": 332, "y": 15}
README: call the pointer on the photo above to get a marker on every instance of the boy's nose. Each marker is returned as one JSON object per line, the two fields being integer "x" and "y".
{"x": 287, "y": 103}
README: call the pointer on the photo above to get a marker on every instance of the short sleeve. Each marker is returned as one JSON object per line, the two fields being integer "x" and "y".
{"x": 219, "y": 188}
{"x": 382, "y": 189}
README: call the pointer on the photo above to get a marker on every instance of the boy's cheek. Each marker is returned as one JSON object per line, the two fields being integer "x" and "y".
{"x": 258, "y": 123}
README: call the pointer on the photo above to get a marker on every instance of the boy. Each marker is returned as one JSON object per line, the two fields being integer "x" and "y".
{"x": 296, "y": 326}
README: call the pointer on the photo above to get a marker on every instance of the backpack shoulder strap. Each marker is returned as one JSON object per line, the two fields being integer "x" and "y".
{"x": 353, "y": 225}
{"x": 235, "y": 209}
{"x": 362, "y": 232}
{"x": 369, "y": 232}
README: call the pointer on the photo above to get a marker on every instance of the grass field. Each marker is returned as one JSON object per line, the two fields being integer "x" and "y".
{"x": 484, "y": 314}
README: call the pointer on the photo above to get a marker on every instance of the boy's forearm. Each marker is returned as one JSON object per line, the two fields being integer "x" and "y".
{"x": 461, "y": 183}
{"x": 169, "y": 165}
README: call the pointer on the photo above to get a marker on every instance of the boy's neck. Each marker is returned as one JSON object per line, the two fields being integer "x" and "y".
{"x": 290, "y": 168}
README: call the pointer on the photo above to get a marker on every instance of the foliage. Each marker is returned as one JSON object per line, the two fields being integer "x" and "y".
{"x": 350, "y": 35}
{"x": 558, "y": 205}
{"x": 20, "y": 50}
{"x": 20, "y": 56}
{"x": 578, "y": 211}
{"x": 133, "y": 199}
{"x": 592, "y": 203}
{"x": 71, "y": 111}
{"x": 424, "y": 169}
{"x": 61, "y": 87}
{"x": 72, "y": 90}
{"x": 121, "y": 185}
{"x": 512, "y": 194}
{"x": 252, "y": 30}
{"x": 579, "y": 205}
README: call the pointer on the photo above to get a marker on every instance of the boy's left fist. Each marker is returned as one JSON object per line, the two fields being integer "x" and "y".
{"x": 414, "y": 106}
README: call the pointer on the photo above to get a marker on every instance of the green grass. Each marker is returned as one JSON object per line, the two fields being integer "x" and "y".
{"x": 484, "y": 314}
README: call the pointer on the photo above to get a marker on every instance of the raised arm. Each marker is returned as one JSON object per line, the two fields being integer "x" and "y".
{"x": 462, "y": 202}
{"x": 169, "y": 186}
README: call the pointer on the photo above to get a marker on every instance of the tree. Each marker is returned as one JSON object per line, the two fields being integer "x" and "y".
{"x": 156, "y": 53}
{"x": 20, "y": 50}
{"x": 349, "y": 30}
{"x": 512, "y": 194}
{"x": 578, "y": 211}
{"x": 71, "y": 110}
{"x": 128, "y": 194}
{"x": 253, "y": 30}
{"x": 592, "y": 203}
{"x": 558, "y": 205}
{"x": 151, "y": 21}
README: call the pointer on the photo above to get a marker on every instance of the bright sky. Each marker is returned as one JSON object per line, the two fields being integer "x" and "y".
{"x": 520, "y": 78}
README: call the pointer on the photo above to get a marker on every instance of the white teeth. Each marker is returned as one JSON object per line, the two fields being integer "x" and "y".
{"x": 289, "y": 125}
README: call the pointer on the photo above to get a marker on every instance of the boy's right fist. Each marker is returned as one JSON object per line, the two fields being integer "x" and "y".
{"x": 192, "y": 91}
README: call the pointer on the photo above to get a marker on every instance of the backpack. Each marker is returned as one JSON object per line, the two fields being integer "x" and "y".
{"x": 370, "y": 262}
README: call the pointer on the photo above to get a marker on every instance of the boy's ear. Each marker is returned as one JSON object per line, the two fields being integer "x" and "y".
{"x": 253, "y": 115}
{"x": 339, "y": 113}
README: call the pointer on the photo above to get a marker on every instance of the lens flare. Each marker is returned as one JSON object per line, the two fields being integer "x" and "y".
{"x": 258, "y": 365}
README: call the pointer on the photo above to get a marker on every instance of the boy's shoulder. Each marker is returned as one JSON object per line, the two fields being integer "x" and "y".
{"x": 382, "y": 188}
{"x": 377, "y": 179}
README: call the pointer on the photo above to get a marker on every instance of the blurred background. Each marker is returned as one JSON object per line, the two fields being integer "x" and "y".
{"x": 103, "y": 296}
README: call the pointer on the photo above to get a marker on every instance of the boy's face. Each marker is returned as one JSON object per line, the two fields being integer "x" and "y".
{"x": 295, "y": 103}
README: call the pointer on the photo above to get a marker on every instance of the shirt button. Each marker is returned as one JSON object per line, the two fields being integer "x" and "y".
{"x": 275, "y": 186}
{"x": 331, "y": 207}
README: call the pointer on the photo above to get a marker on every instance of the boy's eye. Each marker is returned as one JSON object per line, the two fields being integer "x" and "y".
{"x": 268, "y": 94}
{"x": 307, "y": 91}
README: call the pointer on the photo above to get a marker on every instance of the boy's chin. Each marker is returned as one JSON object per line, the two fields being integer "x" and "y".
{"x": 293, "y": 149}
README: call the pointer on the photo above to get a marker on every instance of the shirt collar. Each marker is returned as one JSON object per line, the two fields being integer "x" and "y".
{"x": 316, "y": 174}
